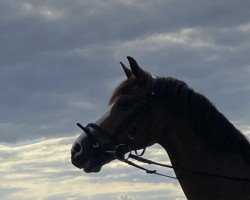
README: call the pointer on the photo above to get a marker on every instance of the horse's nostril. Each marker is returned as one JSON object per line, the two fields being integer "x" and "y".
{"x": 77, "y": 148}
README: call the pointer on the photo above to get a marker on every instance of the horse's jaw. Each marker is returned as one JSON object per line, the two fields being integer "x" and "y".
{"x": 94, "y": 164}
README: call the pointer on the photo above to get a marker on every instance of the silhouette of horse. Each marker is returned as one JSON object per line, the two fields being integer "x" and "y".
{"x": 210, "y": 157}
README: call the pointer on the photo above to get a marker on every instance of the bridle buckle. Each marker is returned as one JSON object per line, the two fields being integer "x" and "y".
{"x": 120, "y": 152}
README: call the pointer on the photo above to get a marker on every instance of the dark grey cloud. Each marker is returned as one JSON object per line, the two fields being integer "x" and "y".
{"x": 59, "y": 59}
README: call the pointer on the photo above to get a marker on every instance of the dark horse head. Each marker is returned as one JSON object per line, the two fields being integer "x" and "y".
{"x": 126, "y": 126}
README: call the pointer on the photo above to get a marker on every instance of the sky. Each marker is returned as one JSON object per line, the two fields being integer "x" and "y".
{"x": 59, "y": 62}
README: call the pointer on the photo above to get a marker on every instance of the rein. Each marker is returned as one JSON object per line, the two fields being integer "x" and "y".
{"x": 143, "y": 160}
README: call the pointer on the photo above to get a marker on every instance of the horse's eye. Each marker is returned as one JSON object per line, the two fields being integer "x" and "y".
{"x": 122, "y": 104}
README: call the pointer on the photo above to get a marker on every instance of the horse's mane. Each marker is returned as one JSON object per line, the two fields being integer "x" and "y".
{"x": 212, "y": 125}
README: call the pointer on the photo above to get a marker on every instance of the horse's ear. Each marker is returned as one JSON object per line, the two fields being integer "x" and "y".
{"x": 136, "y": 70}
{"x": 126, "y": 70}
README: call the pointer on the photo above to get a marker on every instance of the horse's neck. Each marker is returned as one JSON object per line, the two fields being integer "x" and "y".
{"x": 188, "y": 151}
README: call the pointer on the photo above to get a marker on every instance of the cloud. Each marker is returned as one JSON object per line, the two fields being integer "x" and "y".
{"x": 124, "y": 196}
{"x": 48, "y": 13}
{"x": 43, "y": 169}
{"x": 59, "y": 61}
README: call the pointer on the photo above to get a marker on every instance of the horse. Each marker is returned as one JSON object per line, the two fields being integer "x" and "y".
{"x": 209, "y": 155}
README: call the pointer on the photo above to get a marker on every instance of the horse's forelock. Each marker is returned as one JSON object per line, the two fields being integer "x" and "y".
{"x": 123, "y": 86}
{"x": 120, "y": 89}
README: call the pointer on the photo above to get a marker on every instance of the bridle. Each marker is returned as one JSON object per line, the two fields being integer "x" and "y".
{"x": 119, "y": 151}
